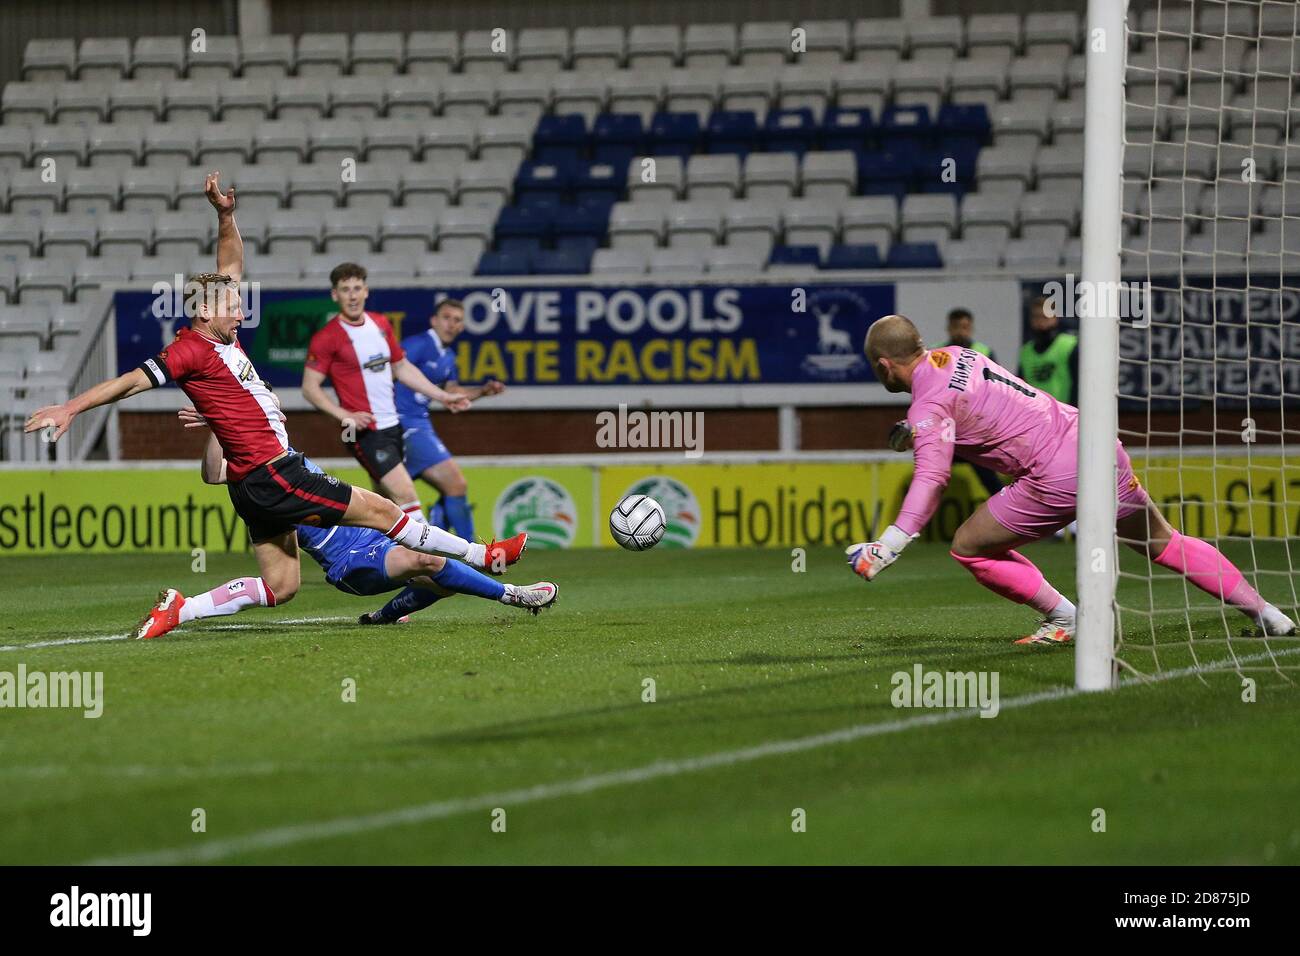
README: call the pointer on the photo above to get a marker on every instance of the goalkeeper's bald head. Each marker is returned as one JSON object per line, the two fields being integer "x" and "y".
{"x": 893, "y": 347}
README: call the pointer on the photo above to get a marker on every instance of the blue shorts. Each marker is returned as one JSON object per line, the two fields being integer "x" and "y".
{"x": 361, "y": 571}
{"x": 424, "y": 448}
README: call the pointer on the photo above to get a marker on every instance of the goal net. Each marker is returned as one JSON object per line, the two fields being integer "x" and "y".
{"x": 1209, "y": 344}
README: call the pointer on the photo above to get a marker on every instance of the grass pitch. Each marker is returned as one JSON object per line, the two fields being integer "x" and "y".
{"x": 475, "y": 707}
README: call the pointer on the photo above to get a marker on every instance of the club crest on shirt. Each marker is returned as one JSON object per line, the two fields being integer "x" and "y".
{"x": 376, "y": 363}
{"x": 940, "y": 359}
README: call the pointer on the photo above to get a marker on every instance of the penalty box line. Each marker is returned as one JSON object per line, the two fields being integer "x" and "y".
{"x": 277, "y": 837}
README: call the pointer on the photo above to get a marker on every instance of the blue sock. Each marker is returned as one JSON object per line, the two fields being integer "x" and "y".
{"x": 465, "y": 580}
{"x": 457, "y": 509}
{"x": 437, "y": 516}
{"x": 408, "y": 601}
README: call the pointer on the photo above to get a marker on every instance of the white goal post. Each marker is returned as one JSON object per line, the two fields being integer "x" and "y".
{"x": 1103, "y": 169}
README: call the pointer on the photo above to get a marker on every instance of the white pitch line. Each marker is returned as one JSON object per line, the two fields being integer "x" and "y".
{"x": 276, "y": 837}
{"x": 99, "y": 638}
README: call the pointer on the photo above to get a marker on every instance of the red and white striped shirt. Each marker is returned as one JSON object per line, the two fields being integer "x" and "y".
{"x": 226, "y": 390}
{"x": 359, "y": 359}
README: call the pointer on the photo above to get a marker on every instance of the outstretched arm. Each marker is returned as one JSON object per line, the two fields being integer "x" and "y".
{"x": 415, "y": 380}
{"x": 475, "y": 392}
{"x": 230, "y": 247}
{"x": 114, "y": 390}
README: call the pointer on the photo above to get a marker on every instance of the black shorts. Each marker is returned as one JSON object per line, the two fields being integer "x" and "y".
{"x": 379, "y": 450}
{"x": 283, "y": 493}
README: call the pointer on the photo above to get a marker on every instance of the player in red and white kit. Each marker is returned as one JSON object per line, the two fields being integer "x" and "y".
{"x": 965, "y": 404}
{"x": 357, "y": 351}
{"x": 269, "y": 485}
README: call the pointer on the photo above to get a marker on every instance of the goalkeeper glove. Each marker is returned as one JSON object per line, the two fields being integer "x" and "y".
{"x": 900, "y": 436}
{"x": 868, "y": 559}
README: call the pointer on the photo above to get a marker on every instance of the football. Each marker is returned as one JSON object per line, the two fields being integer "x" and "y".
{"x": 637, "y": 522}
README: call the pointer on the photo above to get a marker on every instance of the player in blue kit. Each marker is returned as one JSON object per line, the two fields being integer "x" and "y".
{"x": 426, "y": 455}
{"x": 355, "y": 560}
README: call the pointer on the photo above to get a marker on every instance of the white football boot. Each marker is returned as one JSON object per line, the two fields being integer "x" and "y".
{"x": 531, "y": 597}
{"x": 1274, "y": 623}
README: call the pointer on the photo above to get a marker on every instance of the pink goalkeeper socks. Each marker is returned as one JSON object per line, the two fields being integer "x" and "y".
{"x": 1202, "y": 564}
{"x": 1014, "y": 577}
{"x": 229, "y": 598}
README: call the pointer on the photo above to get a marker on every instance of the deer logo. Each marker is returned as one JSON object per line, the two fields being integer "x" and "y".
{"x": 830, "y": 339}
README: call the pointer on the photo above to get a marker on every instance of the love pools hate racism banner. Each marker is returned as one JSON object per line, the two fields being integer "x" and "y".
{"x": 575, "y": 335}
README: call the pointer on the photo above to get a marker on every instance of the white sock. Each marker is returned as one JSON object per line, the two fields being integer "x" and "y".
{"x": 429, "y": 539}
{"x": 412, "y": 509}
{"x": 1063, "y": 614}
{"x": 229, "y": 598}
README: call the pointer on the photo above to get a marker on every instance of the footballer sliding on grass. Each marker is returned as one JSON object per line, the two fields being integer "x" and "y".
{"x": 967, "y": 406}
{"x": 271, "y": 487}
{"x": 357, "y": 561}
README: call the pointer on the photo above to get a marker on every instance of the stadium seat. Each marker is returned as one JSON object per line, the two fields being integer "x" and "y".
{"x": 49, "y": 60}
{"x": 693, "y": 91}
{"x": 709, "y": 45}
{"x": 247, "y": 99}
{"x": 1051, "y": 35}
{"x": 598, "y": 49}
{"x": 742, "y": 260}
{"x": 748, "y": 89}
{"x": 65, "y": 145}
{"x": 876, "y": 36}
{"x": 314, "y": 186}
{"x": 322, "y": 54}
{"x": 23, "y": 330}
{"x": 921, "y": 255}
{"x": 483, "y": 54}
{"x": 505, "y": 138}
{"x": 465, "y": 230}
{"x": 1032, "y": 255}
{"x": 280, "y": 141}
{"x": 68, "y": 237}
{"x": 807, "y": 86}
{"x": 829, "y": 175}
{"x": 973, "y": 255}
{"x": 20, "y": 236}
{"x": 870, "y": 220}
{"x": 826, "y": 41}
{"x": 170, "y": 144}
{"x": 811, "y": 223}
{"x": 80, "y": 103}
{"x": 1005, "y": 170}
{"x": 103, "y": 59}
{"x": 1049, "y": 216}
{"x": 714, "y": 177}
{"x": 29, "y": 193}
{"x": 988, "y": 218}
{"x": 542, "y": 50}
{"x": 267, "y": 57}
{"x": 301, "y": 98}
{"x": 432, "y": 53}
{"x": 331, "y": 141}
{"x": 357, "y": 97}
{"x": 191, "y": 101}
{"x": 426, "y": 185}
{"x": 794, "y": 260}
{"x": 276, "y": 268}
{"x": 181, "y": 234}
{"x": 503, "y": 264}
{"x": 653, "y": 47}
{"x": 928, "y": 218}
{"x": 15, "y": 147}
{"x": 445, "y": 266}
{"x": 136, "y": 101}
{"x": 407, "y": 230}
{"x": 694, "y": 224}
{"x": 158, "y": 58}
{"x": 572, "y": 261}
{"x": 853, "y": 257}
{"x": 674, "y": 134}
{"x": 27, "y": 104}
{"x": 660, "y": 180}
{"x": 635, "y": 225}
{"x": 486, "y": 182}
{"x": 771, "y": 176}
{"x": 377, "y": 54}
{"x": 560, "y": 139}
{"x": 91, "y": 191}
{"x": 582, "y": 94}
{"x": 675, "y": 262}
{"x": 791, "y": 130}
{"x": 261, "y": 187}
{"x": 765, "y": 45}
{"x": 524, "y": 95}
{"x": 636, "y": 92}
{"x": 599, "y": 182}
{"x": 583, "y": 226}
{"x": 218, "y": 60}
{"x": 607, "y": 262}
{"x": 731, "y": 132}
{"x": 617, "y": 137}
{"x": 352, "y": 233}
{"x": 392, "y": 140}
{"x": 45, "y": 280}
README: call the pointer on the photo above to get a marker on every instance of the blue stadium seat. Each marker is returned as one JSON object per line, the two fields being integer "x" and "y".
{"x": 503, "y": 264}
{"x": 520, "y": 245}
{"x": 929, "y": 174}
{"x": 571, "y": 260}
{"x": 523, "y": 223}
{"x": 914, "y": 255}
{"x": 599, "y": 182}
{"x": 561, "y": 139}
{"x": 590, "y": 219}
{"x": 853, "y": 257}
{"x": 964, "y": 126}
{"x": 883, "y": 173}
{"x": 848, "y": 129}
{"x": 732, "y": 131}
{"x": 795, "y": 256}
{"x": 673, "y": 134}
{"x": 538, "y": 180}
{"x": 617, "y": 137}
{"x": 790, "y": 131}
{"x": 906, "y": 127}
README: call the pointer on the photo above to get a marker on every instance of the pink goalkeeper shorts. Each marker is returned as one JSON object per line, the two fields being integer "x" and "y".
{"x": 1037, "y": 506}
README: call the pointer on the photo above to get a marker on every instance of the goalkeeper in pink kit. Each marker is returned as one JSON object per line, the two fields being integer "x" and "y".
{"x": 967, "y": 406}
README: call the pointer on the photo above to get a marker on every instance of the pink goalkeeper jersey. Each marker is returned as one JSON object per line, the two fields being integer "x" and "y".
{"x": 968, "y": 405}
